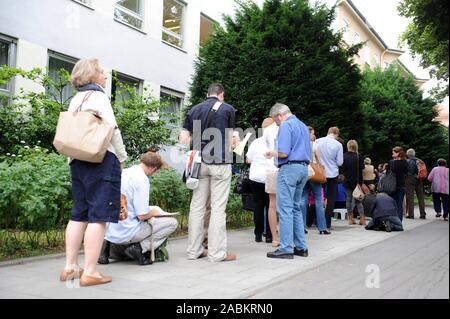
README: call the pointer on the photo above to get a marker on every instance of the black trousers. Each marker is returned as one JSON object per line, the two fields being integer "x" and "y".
{"x": 260, "y": 209}
{"x": 331, "y": 186}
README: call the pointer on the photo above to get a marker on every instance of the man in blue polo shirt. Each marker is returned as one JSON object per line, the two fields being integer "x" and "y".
{"x": 293, "y": 154}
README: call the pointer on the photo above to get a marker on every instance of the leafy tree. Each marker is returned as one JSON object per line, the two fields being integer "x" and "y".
{"x": 397, "y": 114}
{"x": 284, "y": 52}
{"x": 427, "y": 35}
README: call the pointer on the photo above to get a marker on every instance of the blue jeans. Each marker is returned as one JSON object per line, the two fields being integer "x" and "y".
{"x": 398, "y": 196}
{"x": 320, "y": 213}
{"x": 290, "y": 183}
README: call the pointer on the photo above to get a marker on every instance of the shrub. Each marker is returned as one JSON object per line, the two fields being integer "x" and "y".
{"x": 35, "y": 190}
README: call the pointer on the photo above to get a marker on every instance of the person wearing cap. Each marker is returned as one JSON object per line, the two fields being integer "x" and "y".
{"x": 142, "y": 232}
{"x": 293, "y": 157}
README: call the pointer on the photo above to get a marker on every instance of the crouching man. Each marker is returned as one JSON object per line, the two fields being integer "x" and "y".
{"x": 384, "y": 215}
{"x": 144, "y": 230}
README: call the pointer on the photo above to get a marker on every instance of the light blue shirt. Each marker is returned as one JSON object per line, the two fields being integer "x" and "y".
{"x": 136, "y": 187}
{"x": 293, "y": 140}
{"x": 331, "y": 155}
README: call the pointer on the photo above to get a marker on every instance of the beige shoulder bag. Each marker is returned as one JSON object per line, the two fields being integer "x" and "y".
{"x": 83, "y": 135}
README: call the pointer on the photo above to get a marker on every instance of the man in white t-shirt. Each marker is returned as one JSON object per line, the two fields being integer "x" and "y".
{"x": 144, "y": 230}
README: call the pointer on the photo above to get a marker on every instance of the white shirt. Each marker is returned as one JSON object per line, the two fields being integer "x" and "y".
{"x": 259, "y": 163}
{"x": 136, "y": 187}
{"x": 270, "y": 136}
{"x": 100, "y": 103}
{"x": 331, "y": 155}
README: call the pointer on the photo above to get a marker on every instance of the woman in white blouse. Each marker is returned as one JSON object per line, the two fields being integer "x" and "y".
{"x": 95, "y": 187}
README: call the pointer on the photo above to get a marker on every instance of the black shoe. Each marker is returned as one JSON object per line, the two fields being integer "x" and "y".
{"x": 104, "y": 256}
{"x": 438, "y": 215}
{"x": 301, "y": 252}
{"x": 258, "y": 238}
{"x": 423, "y": 217}
{"x": 280, "y": 254}
{"x": 134, "y": 251}
{"x": 269, "y": 240}
{"x": 306, "y": 231}
{"x": 409, "y": 217}
{"x": 387, "y": 226}
{"x": 324, "y": 232}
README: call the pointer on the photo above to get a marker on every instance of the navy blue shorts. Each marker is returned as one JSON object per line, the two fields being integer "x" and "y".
{"x": 96, "y": 190}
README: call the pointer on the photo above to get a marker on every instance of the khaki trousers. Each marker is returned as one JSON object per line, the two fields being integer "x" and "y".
{"x": 214, "y": 181}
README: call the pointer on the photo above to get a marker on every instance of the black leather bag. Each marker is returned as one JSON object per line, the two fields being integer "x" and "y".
{"x": 243, "y": 183}
{"x": 388, "y": 184}
{"x": 247, "y": 201}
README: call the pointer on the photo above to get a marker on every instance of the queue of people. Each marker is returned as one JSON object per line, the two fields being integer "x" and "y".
{"x": 281, "y": 177}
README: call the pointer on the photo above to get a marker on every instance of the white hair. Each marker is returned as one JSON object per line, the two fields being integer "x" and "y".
{"x": 411, "y": 153}
{"x": 279, "y": 109}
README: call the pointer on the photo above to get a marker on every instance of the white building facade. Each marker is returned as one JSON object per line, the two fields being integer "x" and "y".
{"x": 149, "y": 43}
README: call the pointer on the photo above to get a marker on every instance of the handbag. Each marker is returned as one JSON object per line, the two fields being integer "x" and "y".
{"x": 316, "y": 172}
{"x": 247, "y": 202}
{"x": 388, "y": 184}
{"x": 358, "y": 193}
{"x": 243, "y": 183}
{"x": 192, "y": 170}
{"x": 83, "y": 135}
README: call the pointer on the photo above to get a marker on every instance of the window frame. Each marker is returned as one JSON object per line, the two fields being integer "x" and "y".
{"x": 140, "y": 87}
{"x": 140, "y": 16}
{"x": 87, "y": 5}
{"x": 181, "y": 36}
{"x": 205, "y": 16}
{"x": 61, "y": 57}
{"x": 11, "y": 62}
{"x": 175, "y": 94}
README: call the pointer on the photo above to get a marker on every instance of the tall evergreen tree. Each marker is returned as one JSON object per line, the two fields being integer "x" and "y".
{"x": 396, "y": 114}
{"x": 284, "y": 52}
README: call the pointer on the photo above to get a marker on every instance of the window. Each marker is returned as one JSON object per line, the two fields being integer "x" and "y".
{"x": 376, "y": 60}
{"x": 173, "y": 20}
{"x": 123, "y": 87}
{"x": 346, "y": 31}
{"x": 174, "y": 102}
{"x": 7, "y": 52}
{"x": 56, "y": 64}
{"x": 130, "y": 12}
{"x": 206, "y": 29}
{"x": 356, "y": 38}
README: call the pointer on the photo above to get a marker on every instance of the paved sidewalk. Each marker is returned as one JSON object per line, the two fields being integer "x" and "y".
{"x": 198, "y": 279}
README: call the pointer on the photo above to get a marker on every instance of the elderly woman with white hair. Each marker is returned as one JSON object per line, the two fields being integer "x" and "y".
{"x": 95, "y": 186}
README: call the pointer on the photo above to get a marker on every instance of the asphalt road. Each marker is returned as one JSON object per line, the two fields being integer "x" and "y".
{"x": 413, "y": 265}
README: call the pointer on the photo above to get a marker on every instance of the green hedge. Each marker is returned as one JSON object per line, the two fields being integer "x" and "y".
{"x": 35, "y": 190}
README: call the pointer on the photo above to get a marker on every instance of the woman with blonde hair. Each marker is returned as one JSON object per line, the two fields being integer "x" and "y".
{"x": 95, "y": 186}
{"x": 368, "y": 172}
{"x": 353, "y": 171}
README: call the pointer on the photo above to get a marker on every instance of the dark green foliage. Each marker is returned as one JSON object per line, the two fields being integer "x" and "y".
{"x": 35, "y": 190}
{"x": 397, "y": 114}
{"x": 427, "y": 36}
{"x": 284, "y": 52}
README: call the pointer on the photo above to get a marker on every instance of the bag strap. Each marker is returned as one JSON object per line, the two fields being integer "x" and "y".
{"x": 86, "y": 97}
{"x": 357, "y": 168}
